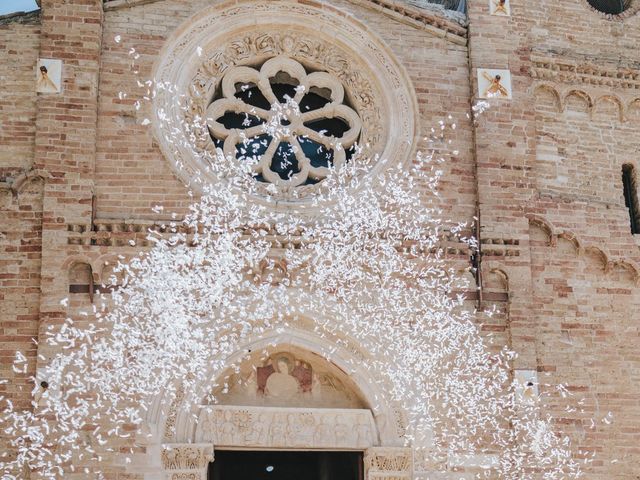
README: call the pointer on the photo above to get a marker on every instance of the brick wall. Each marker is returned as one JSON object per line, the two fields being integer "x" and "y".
{"x": 19, "y": 44}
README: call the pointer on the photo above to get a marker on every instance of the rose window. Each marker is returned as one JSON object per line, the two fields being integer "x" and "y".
{"x": 292, "y": 124}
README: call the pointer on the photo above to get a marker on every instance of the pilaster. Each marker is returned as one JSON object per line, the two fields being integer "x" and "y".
{"x": 505, "y": 157}
{"x": 65, "y": 143}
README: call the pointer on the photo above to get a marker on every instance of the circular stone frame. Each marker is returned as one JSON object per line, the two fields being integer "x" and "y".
{"x": 315, "y": 34}
{"x": 631, "y": 8}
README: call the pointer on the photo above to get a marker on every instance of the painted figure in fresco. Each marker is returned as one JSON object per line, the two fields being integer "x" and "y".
{"x": 495, "y": 88}
{"x": 284, "y": 377}
{"x": 281, "y": 383}
{"x": 45, "y": 84}
{"x": 500, "y": 7}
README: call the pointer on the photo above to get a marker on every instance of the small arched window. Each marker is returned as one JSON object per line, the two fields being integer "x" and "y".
{"x": 629, "y": 182}
{"x": 81, "y": 279}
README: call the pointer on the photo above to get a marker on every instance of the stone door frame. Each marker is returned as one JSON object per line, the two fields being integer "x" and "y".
{"x": 191, "y": 461}
{"x": 232, "y": 427}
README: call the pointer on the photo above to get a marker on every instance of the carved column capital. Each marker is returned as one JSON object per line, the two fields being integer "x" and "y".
{"x": 186, "y": 461}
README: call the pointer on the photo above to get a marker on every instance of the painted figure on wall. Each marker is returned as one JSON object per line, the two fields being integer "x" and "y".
{"x": 49, "y": 76}
{"x": 500, "y": 7}
{"x": 495, "y": 88}
{"x": 284, "y": 377}
{"x": 494, "y": 83}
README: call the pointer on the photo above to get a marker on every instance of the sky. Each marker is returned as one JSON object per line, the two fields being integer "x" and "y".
{"x": 10, "y": 6}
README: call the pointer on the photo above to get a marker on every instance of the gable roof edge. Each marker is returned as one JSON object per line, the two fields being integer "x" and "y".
{"x": 403, "y": 12}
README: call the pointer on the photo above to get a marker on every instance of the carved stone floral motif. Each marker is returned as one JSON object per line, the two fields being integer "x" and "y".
{"x": 317, "y": 53}
{"x": 186, "y": 476}
{"x": 170, "y": 425}
{"x": 286, "y": 121}
{"x": 269, "y": 427}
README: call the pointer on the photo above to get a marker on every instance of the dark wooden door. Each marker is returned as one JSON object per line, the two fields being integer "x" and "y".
{"x": 285, "y": 465}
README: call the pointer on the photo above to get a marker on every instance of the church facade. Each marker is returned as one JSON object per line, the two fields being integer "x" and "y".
{"x": 548, "y": 169}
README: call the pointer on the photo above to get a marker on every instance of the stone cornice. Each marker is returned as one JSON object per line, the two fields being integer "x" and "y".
{"x": 585, "y": 70}
{"x": 419, "y": 18}
{"x": 25, "y": 18}
{"x": 428, "y": 20}
{"x": 118, "y": 4}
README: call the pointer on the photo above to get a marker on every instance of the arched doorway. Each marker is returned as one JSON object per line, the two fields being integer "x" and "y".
{"x": 281, "y": 394}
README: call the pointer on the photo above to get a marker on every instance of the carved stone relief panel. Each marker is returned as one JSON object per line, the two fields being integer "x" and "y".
{"x": 270, "y": 427}
{"x": 186, "y": 461}
{"x": 170, "y": 424}
{"x": 388, "y": 463}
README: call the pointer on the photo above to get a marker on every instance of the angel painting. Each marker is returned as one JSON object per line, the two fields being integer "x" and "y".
{"x": 494, "y": 83}
{"x": 49, "y": 76}
{"x": 526, "y": 387}
{"x": 500, "y": 7}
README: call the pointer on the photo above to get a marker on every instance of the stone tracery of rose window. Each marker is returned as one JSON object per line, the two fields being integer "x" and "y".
{"x": 294, "y": 125}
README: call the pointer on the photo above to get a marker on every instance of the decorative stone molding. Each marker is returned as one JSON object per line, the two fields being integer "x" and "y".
{"x": 275, "y": 427}
{"x": 583, "y": 71}
{"x": 583, "y": 246}
{"x": 627, "y": 106}
{"x": 186, "y": 461}
{"x": 170, "y": 425}
{"x": 223, "y": 38}
{"x": 452, "y": 29}
{"x": 17, "y": 183}
{"x": 187, "y": 476}
{"x": 346, "y": 354}
{"x": 388, "y": 463}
